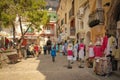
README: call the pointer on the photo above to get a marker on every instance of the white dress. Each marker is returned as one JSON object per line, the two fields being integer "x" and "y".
{"x": 91, "y": 52}
{"x": 81, "y": 53}
{"x": 107, "y": 50}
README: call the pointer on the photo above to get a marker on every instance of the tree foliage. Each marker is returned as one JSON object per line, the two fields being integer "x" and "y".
{"x": 7, "y": 13}
{"x": 32, "y": 11}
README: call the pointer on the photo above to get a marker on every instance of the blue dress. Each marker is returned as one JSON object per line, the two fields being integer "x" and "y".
{"x": 53, "y": 52}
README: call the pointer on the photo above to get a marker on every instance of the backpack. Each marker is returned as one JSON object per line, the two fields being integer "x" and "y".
{"x": 49, "y": 42}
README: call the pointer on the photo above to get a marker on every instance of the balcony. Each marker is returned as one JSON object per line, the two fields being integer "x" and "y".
{"x": 96, "y": 17}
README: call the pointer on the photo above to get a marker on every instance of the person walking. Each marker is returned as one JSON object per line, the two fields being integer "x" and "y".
{"x": 45, "y": 49}
{"x": 81, "y": 54}
{"x": 53, "y": 53}
{"x": 49, "y": 43}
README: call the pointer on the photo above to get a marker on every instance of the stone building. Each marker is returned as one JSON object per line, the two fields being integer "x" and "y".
{"x": 88, "y": 19}
{"x": 72, "y": 18}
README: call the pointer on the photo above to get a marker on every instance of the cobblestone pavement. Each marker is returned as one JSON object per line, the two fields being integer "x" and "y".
{"x": 43, "y": 68}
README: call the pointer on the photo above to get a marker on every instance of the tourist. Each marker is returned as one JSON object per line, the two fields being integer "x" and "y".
{"x": 45, "y": 49}
{"x": 53, "y": 53}
{"x": 49, "y": 43}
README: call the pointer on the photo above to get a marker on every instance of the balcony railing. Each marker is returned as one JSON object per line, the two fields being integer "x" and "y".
{"x": 97, "y": 17}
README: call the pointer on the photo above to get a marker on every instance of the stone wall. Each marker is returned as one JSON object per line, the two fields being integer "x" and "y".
{"x": 113, "y": 16}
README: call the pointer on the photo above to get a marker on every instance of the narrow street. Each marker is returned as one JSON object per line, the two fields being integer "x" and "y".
{"x": 43, "y": 68}
{"x": 87, "y": 29}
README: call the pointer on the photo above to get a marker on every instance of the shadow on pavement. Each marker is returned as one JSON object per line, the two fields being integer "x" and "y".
{"x": 58, "y": 70}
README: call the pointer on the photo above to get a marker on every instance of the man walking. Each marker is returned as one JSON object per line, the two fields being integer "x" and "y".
{"x": 49, "y": 43}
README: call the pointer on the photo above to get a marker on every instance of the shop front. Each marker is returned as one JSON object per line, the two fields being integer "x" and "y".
{"x": 31, "y": 38}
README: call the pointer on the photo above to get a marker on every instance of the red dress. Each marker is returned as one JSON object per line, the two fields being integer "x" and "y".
{"x": 98, "y": 51}
{"x": 36, "y": 48}
{"x": 104, "y": 44}
{"x": 70, "y": 52}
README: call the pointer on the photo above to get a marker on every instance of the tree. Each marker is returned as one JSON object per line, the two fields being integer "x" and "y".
{"x": 7, "y": 14}
{"x": 32, "y": 11}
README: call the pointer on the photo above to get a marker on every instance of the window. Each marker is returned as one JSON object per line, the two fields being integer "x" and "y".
{"x": 65, "y": 18}
{"x": 81, "y": 25}
{"x": 62, "y": 22}
{"x": 72, "y": 28}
